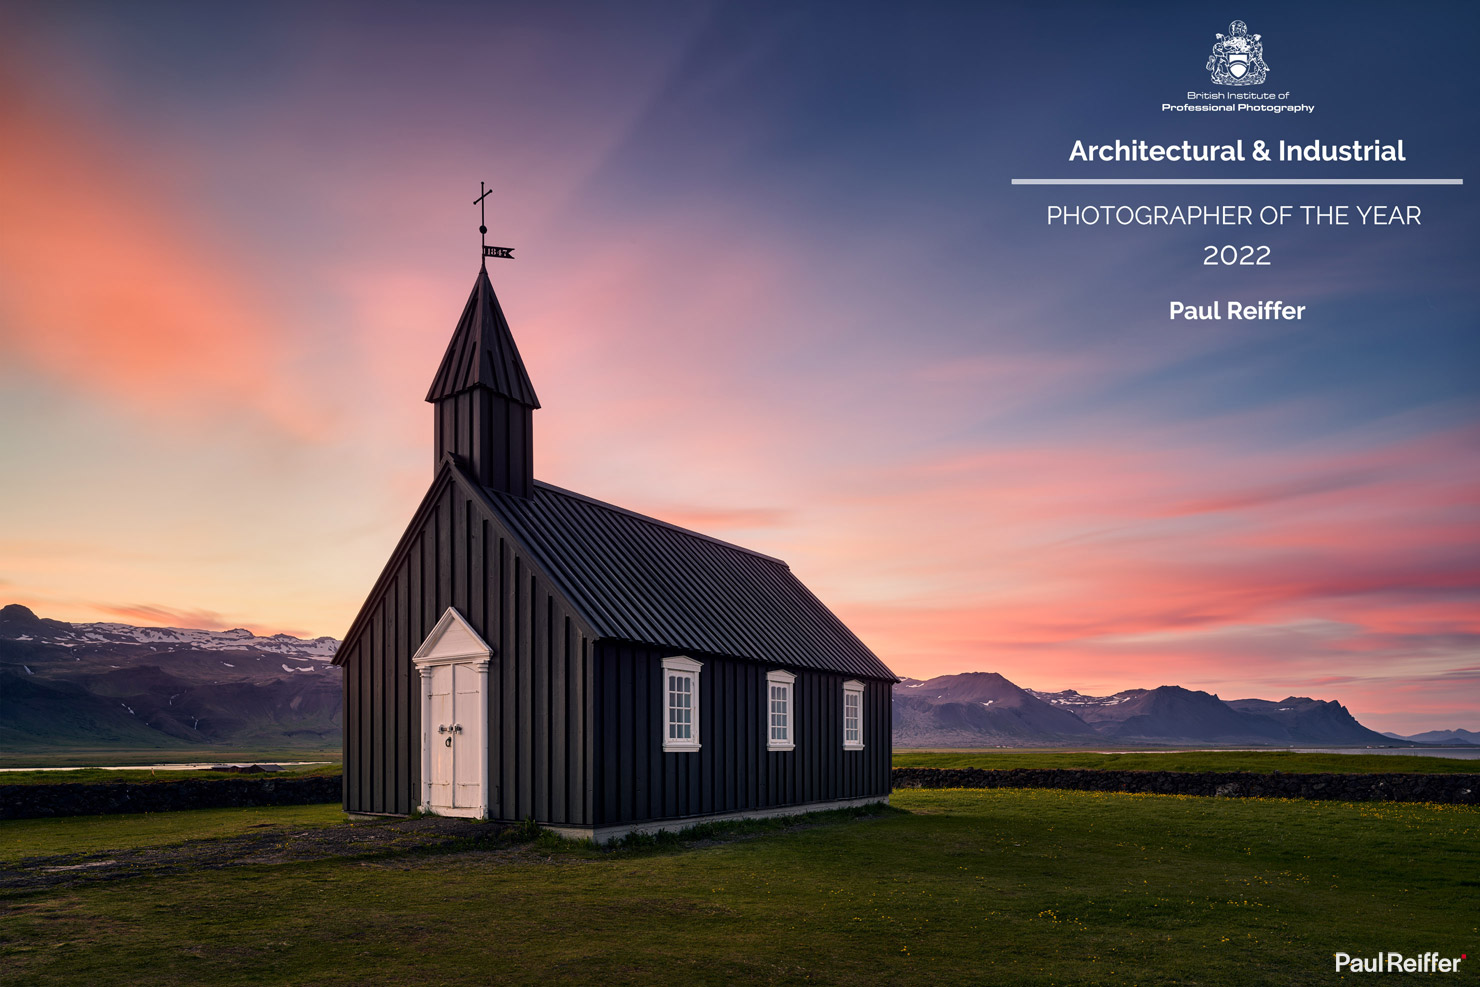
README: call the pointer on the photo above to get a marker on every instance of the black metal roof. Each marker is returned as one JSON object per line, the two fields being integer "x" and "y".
{"x": 636, "y": 578}
{"x": 482, "y": 352}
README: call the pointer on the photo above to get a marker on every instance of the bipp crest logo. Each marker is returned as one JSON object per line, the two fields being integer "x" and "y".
{"x": 1238, "y": 58}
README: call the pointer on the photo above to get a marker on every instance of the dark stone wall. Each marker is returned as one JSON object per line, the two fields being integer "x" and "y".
{"x": 1453, "y": 788}
{"x": 41, "y": 801}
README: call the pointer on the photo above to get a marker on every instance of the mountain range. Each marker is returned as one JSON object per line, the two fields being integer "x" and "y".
{"x": 1449, "y": 738}
{"x": 976, "y": 709}
{"x": 110, "y": 685}
{"x": 106, "y": 685}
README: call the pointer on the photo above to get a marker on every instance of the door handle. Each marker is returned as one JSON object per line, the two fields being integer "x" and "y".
{"x": 449, "y": 741}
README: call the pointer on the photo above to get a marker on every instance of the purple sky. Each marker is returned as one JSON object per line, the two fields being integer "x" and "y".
{"x": 774, "y": 284}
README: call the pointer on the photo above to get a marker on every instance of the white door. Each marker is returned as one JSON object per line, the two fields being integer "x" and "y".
{"x": 467, "y": 743}
{"x": 453, "y": 662}
{"x": 453, "y": 733}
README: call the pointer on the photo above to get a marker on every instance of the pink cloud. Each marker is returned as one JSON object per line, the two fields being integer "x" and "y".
{"x": 702, "y": 518}
{"x": 693, "y": 361}
{"x": 152, "y": 615}
{"x": 108, "y": 286}
{"x": 1123, "y": 565}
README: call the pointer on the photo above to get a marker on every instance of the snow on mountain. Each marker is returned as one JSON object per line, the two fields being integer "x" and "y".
{"x": 17, "y": 623}
{"x": 1072, "y": 699}
{"x": 104, "y": 685}
{"x": 976, "y": 707}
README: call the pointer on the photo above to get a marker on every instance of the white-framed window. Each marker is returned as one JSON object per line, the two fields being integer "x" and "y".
{"x": 780, "y": 711}
{"x": 852, "y": 716}
{"x": 681, "y": 704}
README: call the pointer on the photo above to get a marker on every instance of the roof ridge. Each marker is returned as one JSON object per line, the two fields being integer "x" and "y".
{"x": 660, "y": 523}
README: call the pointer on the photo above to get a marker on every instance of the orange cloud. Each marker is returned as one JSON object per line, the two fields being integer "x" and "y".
{"x": 1117, "y": 566}
{"x": 145, "y": 615}
{"x": 156, "y": 616}
{"x": 109, "y": 284}
{"x": 152, "y": 615}
{"x": 701, "y": 518}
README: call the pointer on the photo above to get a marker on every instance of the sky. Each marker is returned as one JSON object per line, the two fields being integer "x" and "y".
{"x": 773, "y": 282}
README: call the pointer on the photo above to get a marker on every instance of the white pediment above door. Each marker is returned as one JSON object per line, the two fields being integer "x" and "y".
{"x": 453, "y": 639}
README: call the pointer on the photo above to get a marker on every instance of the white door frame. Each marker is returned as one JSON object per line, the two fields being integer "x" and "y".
{"x": 453, "y": 642}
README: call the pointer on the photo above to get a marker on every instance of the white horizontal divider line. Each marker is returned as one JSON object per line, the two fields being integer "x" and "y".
{"x": 1238, "y": 181}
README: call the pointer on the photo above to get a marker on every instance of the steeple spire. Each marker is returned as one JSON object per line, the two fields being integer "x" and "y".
{"x": 484, "y": 399}
{"x": 482, "y": 352}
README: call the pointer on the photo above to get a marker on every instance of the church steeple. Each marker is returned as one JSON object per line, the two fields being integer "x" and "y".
{"x": 484, "y": 400}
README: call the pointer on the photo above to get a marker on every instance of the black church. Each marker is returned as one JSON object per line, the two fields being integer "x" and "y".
{"x": 529, "y": 652}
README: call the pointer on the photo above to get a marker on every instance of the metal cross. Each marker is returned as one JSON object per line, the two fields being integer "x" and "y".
{"x": 505, "y": 252}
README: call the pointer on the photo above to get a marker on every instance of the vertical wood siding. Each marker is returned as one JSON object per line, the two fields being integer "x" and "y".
{"x": 732, "y": 771}
{"x": 493, "y": 435}
{"x": 540, "y": 746}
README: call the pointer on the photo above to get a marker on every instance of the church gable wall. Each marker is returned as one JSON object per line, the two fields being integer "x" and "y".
{"x": 460, "y": 556}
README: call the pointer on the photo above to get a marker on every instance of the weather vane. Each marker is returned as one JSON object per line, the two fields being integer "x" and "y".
{"x": 505, "y": 252}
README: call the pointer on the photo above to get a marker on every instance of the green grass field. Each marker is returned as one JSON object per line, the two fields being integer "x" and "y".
{"x": 962, "y": 887}
{"x": 1263, "y": 762}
